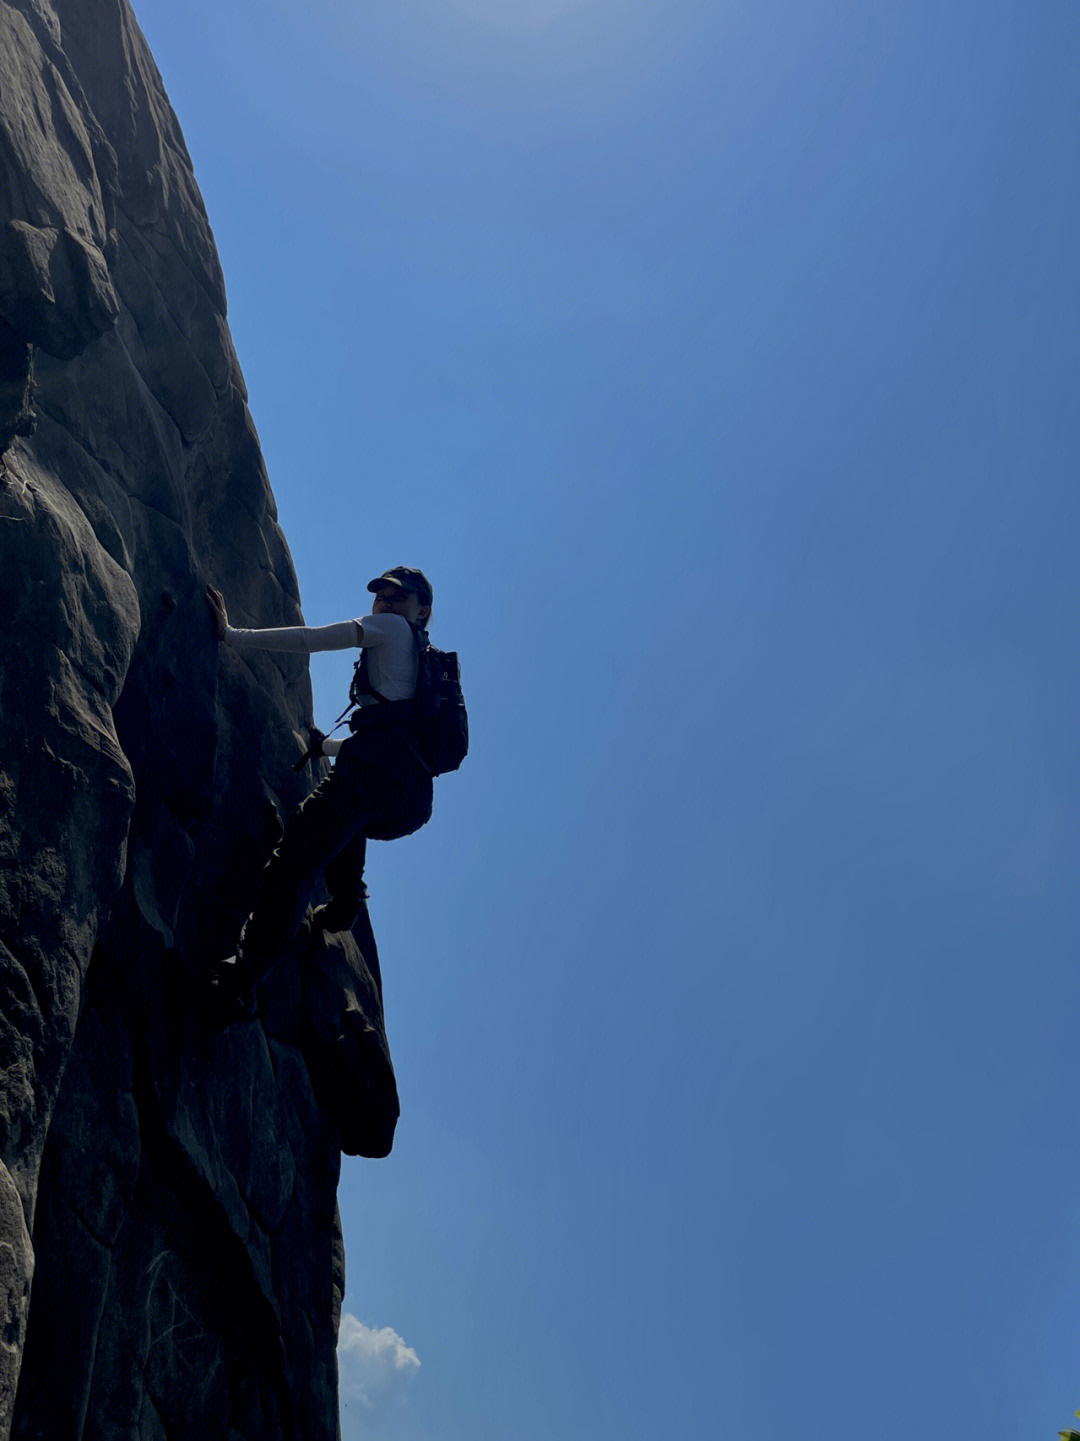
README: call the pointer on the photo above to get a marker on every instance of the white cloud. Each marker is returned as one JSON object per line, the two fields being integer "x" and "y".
{"x": 374, "y": 1366}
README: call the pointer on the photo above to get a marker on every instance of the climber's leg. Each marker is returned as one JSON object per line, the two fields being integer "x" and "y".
{"x": 315, "y": 833}
{"x": 344, "y": 878}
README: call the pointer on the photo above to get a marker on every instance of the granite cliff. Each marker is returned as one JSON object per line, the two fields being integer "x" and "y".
{"x": 170, "y": 1257}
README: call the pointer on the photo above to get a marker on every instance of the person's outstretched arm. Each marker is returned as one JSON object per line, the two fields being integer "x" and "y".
{"x": 299, "y": 639}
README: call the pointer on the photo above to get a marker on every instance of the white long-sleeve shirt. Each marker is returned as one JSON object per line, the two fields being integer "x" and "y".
{"x": 392, "y": 658}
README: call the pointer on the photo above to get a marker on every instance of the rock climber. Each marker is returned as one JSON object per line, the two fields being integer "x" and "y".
{"x": 379, "y": 787}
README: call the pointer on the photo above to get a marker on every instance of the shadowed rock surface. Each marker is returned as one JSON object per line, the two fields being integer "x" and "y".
{"x": 170, "y": 1257}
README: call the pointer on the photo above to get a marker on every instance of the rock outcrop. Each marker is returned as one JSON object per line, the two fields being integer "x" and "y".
{"x": 170, "y": 1258}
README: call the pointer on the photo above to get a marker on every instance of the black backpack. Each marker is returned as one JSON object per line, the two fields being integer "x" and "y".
{"x": 435, "y": 718}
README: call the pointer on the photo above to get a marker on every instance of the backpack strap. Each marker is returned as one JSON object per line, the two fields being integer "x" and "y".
{"x": 358, "y": 686}
{"x": 362, "y": 681}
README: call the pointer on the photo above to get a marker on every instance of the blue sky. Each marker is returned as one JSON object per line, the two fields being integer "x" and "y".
{"x": 719, "y": 363}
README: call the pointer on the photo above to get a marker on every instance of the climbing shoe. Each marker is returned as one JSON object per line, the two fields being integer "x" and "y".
{"x": 229, "y": 993}
{"x": 338, "y": 914}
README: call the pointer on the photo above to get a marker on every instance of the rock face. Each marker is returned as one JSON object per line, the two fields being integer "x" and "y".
{"x": 170, "y": 1258}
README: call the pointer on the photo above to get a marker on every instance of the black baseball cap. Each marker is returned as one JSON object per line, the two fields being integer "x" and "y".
{"x": 407, "y": 578}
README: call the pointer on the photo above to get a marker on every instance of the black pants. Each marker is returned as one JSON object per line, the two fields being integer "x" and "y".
{"x": 378, "y": 789}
